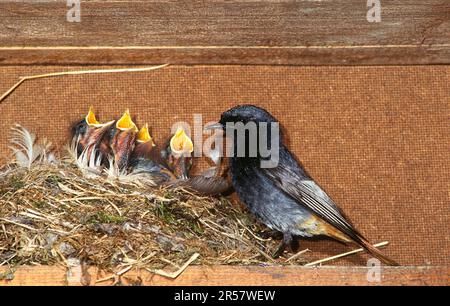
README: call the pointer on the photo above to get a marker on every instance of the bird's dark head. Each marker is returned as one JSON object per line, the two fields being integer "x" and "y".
{"x": 79, "y": 128}
{"x": 254, "y": 131}
{"x": 245, "y": 114}
{"x": 87, "y": 124}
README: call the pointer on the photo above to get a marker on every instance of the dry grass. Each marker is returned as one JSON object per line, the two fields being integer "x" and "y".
{"x": 51, "y": 213}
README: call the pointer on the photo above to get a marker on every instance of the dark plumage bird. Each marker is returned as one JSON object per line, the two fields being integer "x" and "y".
{"x": 90, "y": 134}
{"x": 285, "y": 197}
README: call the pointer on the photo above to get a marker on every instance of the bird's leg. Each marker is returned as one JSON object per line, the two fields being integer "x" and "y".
{"x": 295, "y": 245}
{"x": 287, "y": 240}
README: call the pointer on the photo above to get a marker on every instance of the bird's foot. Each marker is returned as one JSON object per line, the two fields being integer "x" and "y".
{"x": 288, "y": 242}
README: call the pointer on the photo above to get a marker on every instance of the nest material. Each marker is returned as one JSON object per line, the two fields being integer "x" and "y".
{"x": 51, "y": 213}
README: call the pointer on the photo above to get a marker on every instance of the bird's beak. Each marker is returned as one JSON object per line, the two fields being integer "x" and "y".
{"x": 123, "y": 140}
{"x": 180, "y": 143}
{"x": 125, "y": 123}
{"x": 91, "y": 120}
{"x": 143, "y": 136}
{"x": 213, "y": 126}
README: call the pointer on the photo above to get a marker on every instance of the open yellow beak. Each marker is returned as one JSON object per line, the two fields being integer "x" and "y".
{"x": 180, "y": 142}
{"x": 92, "y": 121}
{"x": 90, "y": 118}
{"x": 144, "y": 136}
{"x": 125, "y": 123}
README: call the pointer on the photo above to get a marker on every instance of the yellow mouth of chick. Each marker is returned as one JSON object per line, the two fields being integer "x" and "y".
{"x": 125, "y": 123}
{"x": 144, "y": 136}
{"x": 180, "y": 143}
{"x": 92, "y": 121}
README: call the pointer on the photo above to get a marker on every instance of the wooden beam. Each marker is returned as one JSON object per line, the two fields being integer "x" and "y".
{"x": 224, "y": 32}
{"x": 235, "y": 275}
{"x": 375, "y": 55}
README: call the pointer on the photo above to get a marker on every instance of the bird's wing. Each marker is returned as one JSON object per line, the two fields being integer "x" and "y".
{"x": 305, "y": 191}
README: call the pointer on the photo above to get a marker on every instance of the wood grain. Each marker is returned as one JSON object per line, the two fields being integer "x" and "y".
{"x": 225, "y": 32}
{"x": 234, "y": 275}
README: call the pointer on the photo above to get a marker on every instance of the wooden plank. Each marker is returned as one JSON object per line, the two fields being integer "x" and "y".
{"x": 409, "y": 55}
{"x": 235, "y": 275}
{"x": 224, "y": 32}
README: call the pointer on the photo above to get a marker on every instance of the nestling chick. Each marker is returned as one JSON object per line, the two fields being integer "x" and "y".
{"x": 144, "y": 160}
{"x": 91, "y": 134}
{"x": 123, "y": 141}
{"x": 284, "y": 197}
{"x": 177, "y": 154}
{"x": 144, "y": 146}
{"x": 213, "y": 181}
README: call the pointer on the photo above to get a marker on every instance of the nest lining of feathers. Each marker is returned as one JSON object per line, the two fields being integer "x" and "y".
{"x": 50, "y": 211}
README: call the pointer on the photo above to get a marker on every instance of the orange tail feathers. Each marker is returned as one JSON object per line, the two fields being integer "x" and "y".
{"x": 361, "y": 241}
{"x": 377, "y": 253}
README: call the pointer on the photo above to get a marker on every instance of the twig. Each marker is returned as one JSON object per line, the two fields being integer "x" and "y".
{"x": 82, "y": 199}
{"x": 251, "y": 233}
{"x": 175, "y": 274}
{"x": 297, "y": 255}
{"x": 115, "y": 207}
{"x": 120, "y": 273}
{"x": 20, "y": 224}
{"x": 7, "y": 260}
{"x": 4, "y": 231}
{"x": 35, "y": 217}
{"x": 381, "y": 244}
{"x": 54, "y": 74}
{"x": 237, "y": 238}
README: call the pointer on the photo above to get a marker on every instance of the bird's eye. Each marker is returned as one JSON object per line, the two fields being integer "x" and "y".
{"x": 80, "y": 129}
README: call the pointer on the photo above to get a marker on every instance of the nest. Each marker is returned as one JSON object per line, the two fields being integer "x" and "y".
{"x": 50, "y": 213}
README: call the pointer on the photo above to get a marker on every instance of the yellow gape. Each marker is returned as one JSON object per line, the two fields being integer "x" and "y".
{"x": 144, "y": 136}
{"x": 90, "y": 118}
{"x": 180, "y": 143}
{"x": 125, "y": 123}
{"x": 92, "y": 121}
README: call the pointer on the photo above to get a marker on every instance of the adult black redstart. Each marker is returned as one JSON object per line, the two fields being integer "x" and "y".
{"x": 283, "y": 197}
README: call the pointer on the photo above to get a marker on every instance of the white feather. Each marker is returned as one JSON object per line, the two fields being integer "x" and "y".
{"x": 72, "y": 149}
{"x": 25, "y": 148}
{"x": 113, "y": 172}
{"x": 88, "y": 163}
{"x": 124, "y": 176}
